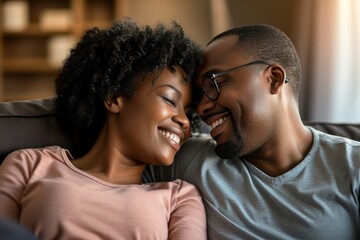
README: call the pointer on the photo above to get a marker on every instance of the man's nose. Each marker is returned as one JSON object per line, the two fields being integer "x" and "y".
{"x": 205, "y": 105}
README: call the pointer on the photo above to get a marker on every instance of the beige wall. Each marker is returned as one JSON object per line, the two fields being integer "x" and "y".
{"x": 278, "y": 13}
{"x": 195, "y": 15}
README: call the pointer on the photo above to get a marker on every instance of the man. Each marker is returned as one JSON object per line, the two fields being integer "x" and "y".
{"x": 267, "y": 176}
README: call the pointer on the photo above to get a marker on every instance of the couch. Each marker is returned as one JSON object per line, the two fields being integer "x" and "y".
{"x": 32, "y": 124}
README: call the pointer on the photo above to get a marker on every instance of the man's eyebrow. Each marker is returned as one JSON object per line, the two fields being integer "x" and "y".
{"x": 171, "y": 86}
{"x": 209, "y": 72}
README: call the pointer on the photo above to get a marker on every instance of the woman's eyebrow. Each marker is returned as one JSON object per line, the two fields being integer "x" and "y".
{"x": 171, "y": 86}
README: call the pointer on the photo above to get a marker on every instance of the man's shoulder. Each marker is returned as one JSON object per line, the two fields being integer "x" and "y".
{"x": 197, "y": 144}
{"x": 331, "y": 139}
{"x": 197, "y": 153}
{"x": 332, "y": 147}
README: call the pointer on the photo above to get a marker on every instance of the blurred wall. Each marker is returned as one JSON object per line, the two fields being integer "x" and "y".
{"x": 278, "y": 13}
{"x": 197, "y": 19}
{"x": 192, "y": 15}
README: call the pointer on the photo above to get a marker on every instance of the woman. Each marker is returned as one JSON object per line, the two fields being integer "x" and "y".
{"x": 127, "y": 90}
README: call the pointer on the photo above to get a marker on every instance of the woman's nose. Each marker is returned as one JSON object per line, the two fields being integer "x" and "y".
{"x": 182, "y": 119}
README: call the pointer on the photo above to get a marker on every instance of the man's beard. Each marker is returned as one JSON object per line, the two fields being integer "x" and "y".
{"x": 231, "y": 148}
{"x": 227, "y": 150}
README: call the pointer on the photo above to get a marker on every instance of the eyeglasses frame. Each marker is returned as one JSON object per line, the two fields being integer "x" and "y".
{"x": 213, "y": 76}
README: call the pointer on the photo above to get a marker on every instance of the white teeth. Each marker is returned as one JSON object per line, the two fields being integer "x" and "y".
{"x": 171, "y": 136}
{"x": 218, "y": 122}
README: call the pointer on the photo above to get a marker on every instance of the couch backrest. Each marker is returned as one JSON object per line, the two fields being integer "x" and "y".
{"x": 32, "y": 124}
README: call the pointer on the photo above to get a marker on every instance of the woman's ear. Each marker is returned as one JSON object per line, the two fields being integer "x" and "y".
{"x": 114, "y": 104}
{"x": 277, "y": 78}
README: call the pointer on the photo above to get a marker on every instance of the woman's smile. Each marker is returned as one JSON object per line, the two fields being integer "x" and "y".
{"x": 172, "y": 138}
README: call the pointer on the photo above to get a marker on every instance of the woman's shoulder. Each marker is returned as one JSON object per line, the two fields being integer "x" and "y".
{"x": 178, "y": 189}
{"x": 31, "y": 157}
{"x": 181, "y": 184}
{"x": 175, "y": 184}
{"x": 31, "y": 163}
{"x": 34, "y": 153}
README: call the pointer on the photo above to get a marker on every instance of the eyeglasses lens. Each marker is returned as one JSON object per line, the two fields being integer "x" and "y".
{"x": 210, "y": 88}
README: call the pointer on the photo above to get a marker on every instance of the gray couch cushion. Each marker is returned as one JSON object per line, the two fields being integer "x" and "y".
{"x": 29, "y": 124}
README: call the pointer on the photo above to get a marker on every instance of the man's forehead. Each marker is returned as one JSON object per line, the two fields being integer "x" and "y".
{"x": 221, "y": 47}
{"x": 221, "y": 54}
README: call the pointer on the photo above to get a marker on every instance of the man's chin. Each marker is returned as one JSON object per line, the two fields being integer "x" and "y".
{"x": 227, "y": 150}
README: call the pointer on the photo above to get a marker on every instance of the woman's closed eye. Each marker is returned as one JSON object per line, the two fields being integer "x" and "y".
{"x": 169, "y": 101}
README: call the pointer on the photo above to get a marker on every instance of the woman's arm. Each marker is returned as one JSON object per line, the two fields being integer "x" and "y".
{"x": 14, "y": 174}
{"x": 188, "y": 218}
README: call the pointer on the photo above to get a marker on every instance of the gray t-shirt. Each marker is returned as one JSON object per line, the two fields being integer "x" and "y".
{"x": 317, "y": 199}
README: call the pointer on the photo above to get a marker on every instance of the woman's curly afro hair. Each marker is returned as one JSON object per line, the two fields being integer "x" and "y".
{"x": 112, "y": 62}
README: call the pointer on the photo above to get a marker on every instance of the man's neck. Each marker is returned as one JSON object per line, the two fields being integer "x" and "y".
{"x": 285, "y": 154}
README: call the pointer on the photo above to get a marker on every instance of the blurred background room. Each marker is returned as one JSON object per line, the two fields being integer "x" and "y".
{"x": 36, "y": 35}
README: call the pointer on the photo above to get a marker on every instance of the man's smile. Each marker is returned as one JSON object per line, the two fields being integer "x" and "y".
{"x": 218, "y": 122}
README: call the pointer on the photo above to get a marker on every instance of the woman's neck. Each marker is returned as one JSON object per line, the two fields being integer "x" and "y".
{"x": 106, "y": 161}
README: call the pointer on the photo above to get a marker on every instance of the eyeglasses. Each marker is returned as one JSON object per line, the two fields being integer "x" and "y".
{"x": 211, "y": 88}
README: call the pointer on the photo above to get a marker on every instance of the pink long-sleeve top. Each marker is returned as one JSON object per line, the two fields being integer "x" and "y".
{"x": 48, "y": 195}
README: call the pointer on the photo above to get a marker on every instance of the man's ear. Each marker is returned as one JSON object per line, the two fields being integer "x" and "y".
{"x": 277, "y": 78}
{"x": 114, "y": 104}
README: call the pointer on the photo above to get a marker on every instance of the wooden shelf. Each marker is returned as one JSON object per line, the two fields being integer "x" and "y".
{"x": 25, "y": 69}
{"x": 34, "y": 30}
{"x": 29, "y": 66}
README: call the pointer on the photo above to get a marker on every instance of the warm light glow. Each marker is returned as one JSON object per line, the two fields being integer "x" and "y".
{"x": 334, "y": 60}
{"x": 220, "y": 16}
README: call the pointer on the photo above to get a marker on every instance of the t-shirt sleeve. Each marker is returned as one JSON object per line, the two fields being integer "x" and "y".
{"x": 15, "y": 172}
{"x": 188, "y": 218}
